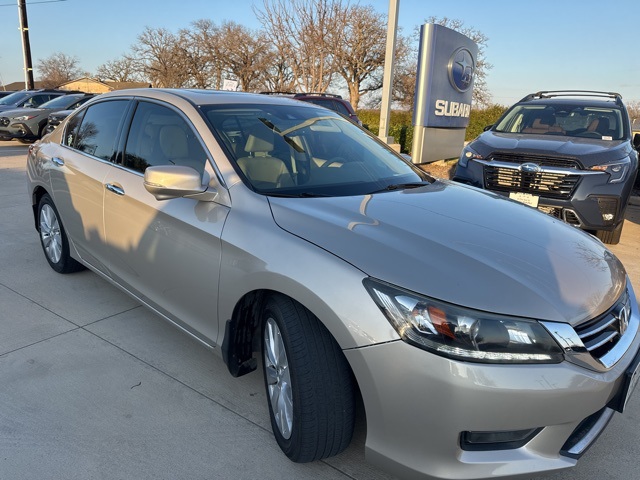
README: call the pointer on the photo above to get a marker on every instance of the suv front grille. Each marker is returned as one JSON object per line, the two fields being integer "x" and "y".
{"x": 553, "y": 185}
{"x": 541, "y": 160}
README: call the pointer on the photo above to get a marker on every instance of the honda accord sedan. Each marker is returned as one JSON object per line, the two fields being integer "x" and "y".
{"x": 485, "y": 338}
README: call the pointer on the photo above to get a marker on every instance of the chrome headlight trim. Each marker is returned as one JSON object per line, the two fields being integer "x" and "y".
{"x": 462, "y": 333}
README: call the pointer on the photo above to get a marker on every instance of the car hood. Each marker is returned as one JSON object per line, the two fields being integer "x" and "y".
{"x": 18, "y": 112}
{"x": 465, "y": 246}
{"x": 590, "y": 151}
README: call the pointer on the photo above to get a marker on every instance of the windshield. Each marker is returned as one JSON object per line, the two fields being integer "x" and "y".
{"x": 59, "y": 102}
{"x": 14, "y": 98}
{"x": 288, "y": 150}
{"x": 604, "y": 123}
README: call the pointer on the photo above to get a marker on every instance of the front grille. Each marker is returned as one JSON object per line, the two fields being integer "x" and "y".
{"x": 542, "y": 160}
{"x": 601, "y": 335}
{"x": 552, "y": 185}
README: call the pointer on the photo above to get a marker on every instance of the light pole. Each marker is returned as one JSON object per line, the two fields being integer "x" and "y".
{"x": 387, "y": 79}
{"x": 26, "y": 47}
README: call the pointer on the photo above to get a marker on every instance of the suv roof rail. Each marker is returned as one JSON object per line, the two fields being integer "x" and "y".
{"x": 572, "y": 93}
{"x": 320, "y": 94}
{"x": 277, "y": 93}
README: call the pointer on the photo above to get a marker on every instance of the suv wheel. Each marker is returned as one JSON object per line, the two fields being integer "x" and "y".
{"x": 610, "y": 237}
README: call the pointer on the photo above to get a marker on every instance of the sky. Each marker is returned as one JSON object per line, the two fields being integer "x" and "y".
{"x": 532, "y": 45}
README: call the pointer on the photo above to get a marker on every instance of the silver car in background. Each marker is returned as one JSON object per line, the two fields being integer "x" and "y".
{"x": 485, "y": 338}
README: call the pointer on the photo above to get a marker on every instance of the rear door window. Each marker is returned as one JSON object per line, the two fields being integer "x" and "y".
{"x": 95, "y": 133}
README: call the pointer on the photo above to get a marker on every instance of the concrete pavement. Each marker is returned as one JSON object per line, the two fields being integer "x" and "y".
{"x": 94, "y": 386}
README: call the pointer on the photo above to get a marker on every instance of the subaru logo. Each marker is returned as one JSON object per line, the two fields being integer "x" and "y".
{"x": 530, "y": 168}
{"x": 461, "y": 69}
{"x": 623, "y": 319}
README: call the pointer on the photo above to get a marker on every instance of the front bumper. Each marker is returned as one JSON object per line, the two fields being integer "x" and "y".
{"x": 418, "y": 404}
{"x": 584, "y": 198}
{"x": 16, "y": 130}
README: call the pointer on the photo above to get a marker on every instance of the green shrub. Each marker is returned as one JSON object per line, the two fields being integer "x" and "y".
{"x": 401, "y": 128}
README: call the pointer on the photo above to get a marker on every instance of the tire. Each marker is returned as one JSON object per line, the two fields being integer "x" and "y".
{"x": 309, "y": 384}
{"x": 53, "y": 238}
{"x": 610, "y": 237}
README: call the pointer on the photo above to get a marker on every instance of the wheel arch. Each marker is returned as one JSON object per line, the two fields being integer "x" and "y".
{"x": 38, "y": 192}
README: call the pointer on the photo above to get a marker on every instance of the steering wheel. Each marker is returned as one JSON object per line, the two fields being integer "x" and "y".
{"x": 332, "y": 161}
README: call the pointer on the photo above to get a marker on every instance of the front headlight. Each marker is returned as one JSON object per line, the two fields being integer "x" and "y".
{"x": 467, "y": 154}
{"x": 24, "y": 118}
{"x": 617, "y": 171}
{"x": 461, "y": 333}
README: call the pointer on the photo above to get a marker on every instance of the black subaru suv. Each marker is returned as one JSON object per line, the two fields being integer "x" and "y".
{"x": 568, "y": 153}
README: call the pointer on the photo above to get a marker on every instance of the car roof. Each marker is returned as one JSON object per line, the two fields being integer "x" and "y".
{"x": 579, "y": 102}
{"x": 205, "y": 97}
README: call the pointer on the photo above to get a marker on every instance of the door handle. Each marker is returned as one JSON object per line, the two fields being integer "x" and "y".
{"x": 58, "y": 161}
{"x": 115, "y": 189}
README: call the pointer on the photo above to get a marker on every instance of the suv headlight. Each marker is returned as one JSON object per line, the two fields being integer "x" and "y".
{"x": 24, "y": 118}
{"x": 617, "y": 171}
{"x": 467, "y": 154}
{"x": 461, "y": 333}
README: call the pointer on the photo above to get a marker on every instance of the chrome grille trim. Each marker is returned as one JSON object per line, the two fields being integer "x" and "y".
{"x": 542, "y": 160}
{"x": 596, "y": 329}
{"x": 572, "y": 340}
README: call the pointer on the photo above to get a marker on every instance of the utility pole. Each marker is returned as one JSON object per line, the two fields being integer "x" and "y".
{"x": 26, "y": 47}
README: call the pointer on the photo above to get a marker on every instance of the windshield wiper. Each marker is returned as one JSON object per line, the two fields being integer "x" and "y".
{"x": 402, "y": 186}
{"x": 275, "y": 193}
{"x": 287, "y": 139}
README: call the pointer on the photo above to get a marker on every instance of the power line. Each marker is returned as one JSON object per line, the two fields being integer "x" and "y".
{"x": 31, "y": 3}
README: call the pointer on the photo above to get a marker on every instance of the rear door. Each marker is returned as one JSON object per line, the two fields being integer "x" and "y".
{"x": 78, "y": 170}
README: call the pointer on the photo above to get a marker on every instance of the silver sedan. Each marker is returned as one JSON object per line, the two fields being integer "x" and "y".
{"x": 485, "y": 338}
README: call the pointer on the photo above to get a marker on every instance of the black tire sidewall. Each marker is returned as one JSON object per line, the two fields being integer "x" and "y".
{"x": 273, "y": 311}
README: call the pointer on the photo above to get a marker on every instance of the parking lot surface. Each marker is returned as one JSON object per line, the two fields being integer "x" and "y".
{"x": 93, "y": 385}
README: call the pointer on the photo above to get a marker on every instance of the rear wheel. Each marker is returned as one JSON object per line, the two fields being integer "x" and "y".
{"x": 53, "y": 238}
{"x": 308, "y": 381}
{"x": 611, "y": 237}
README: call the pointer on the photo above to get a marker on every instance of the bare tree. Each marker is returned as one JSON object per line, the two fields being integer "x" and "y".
{"x": 307, "y": 33}
{"x": 57, "y": 69}
{"x": 245, "y": 54}
{"x": 361, "y": 54}
{"x": 201, "y": 47}
{"x": 633, "y": 108}
{"x": 123, "y": 69}
{"x": 161, "y": 59}
{"x": 278, "y": 76}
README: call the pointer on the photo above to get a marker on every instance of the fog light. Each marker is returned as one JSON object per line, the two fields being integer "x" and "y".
{"x": 500, "y": 440}
{"x": 608, "y": 209}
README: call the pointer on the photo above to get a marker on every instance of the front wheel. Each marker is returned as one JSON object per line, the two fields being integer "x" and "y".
{"x": 610, "y": 237}
{"x": 53, "y": 238}
{"x": 309, "y": 384}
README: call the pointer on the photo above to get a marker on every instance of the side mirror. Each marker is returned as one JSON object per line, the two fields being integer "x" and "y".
{"x": 174, "y": 181}
{"x": 636, "y": 141}
{"x": 488, "y": 127}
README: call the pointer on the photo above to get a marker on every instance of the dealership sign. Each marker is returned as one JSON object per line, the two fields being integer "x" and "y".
{"x": 444, "y": 88}
{"x": 446, "y": 71}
